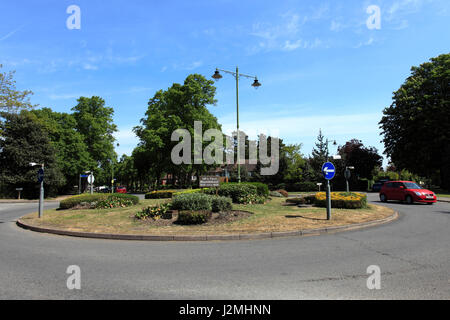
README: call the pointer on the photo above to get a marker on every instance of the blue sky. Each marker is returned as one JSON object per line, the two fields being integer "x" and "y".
{"x": 319, "y": 63}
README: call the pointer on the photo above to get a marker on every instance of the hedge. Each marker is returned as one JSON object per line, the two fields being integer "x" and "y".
{"x": 239, "y": 193}
{"x": 95, "y": 199}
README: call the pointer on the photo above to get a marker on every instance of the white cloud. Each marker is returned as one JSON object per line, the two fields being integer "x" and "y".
{"x": 127, "y": 140}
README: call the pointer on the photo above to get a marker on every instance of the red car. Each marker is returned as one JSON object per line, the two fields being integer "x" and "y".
{"x": 406, "y": 191}
{"x": 121, "y": 190}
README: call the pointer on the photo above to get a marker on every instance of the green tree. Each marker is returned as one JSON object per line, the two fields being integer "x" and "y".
{"x": 364, "y": 159}
{"x": 72, "y": 153}
{"x": 318, "y": 158}
{"x": 94, "y": 122}
{"x": 416, "y": 127}
{"x": 175, "y": 108}
{"x": 24, "y": 141}
{"x": 11, "y": 99}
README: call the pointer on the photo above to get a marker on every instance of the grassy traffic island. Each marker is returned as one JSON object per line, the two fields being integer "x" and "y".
{"x": 202, "y": 213}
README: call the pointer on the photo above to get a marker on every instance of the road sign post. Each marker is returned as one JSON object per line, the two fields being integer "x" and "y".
{"x": 328, "y": 171}
{"x": 41, "y": 191}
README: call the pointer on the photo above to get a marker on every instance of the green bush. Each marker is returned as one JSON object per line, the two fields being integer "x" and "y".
{"x": 262, "y": 188}
{"x": 221, "y": 204}
{"x": 237, "y": 192}
{"x": 192, "y": 201}
{"x": 193, "y": 217}
{"x": 96, "y": 199}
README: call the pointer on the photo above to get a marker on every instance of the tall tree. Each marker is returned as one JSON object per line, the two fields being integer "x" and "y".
{"x": 24, "y": 141}
{"x": 318, "y": 158}
{"x": 94, "y": 122}
{"x": 176, "y": 108}
{"x": 71, "y": 152}
{"x": 416, "y": 127}
{"x": 11, "y": 99}
{"x": 364, "y": 159}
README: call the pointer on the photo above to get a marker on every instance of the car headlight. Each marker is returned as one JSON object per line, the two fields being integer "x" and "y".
{"x": 418, "y": 193}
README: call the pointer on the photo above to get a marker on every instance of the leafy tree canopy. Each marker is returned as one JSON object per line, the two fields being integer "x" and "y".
{"x": 416, "y": 127}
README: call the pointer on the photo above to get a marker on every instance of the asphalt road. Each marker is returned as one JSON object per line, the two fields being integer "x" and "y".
{"x": 412, "y": 253}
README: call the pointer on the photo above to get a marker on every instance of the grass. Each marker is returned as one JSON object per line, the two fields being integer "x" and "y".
{"x": 443, "y": 195}
{"x": 274, "y": 216}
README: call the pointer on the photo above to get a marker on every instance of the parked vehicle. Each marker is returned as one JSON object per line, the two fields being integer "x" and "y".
{"x": 121, "y": 189}
{"x": 406, "y": 191}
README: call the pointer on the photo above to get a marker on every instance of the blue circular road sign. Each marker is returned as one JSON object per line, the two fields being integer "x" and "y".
{"x": 328, "y": 170}
{"x": 40, "y": 175}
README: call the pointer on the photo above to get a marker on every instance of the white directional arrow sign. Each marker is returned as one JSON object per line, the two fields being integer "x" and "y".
{"x": 328, "y": 170}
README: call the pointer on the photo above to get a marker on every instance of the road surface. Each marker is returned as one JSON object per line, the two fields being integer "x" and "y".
{"x": 412, "y": 253}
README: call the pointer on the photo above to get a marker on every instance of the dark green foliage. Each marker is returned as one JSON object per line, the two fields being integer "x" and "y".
{"x": 91, "y": 201}
{"x": 193, "y": 217}
{"x": 24, "y": 141}
{"x": 261, "y": 188}
{"x": 416, "y": 127}
{"x": 221, "y": 204}
{"x": 239, "y": 193}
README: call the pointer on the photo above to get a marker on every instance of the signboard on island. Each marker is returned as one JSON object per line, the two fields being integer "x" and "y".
{"x": 209, "y": 182}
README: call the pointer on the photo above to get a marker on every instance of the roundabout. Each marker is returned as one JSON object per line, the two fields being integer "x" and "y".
{"x": 410, "y": 251}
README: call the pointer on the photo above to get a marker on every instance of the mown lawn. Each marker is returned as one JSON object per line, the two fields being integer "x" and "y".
{"x": 274, "y": 216}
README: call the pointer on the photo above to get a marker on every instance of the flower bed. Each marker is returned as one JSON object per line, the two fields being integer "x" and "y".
{"x": 99, "y": 200}
{"x": 342, "y": 200}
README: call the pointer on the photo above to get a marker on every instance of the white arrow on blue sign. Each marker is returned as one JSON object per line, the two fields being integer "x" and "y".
{"x": 328, "y": 170}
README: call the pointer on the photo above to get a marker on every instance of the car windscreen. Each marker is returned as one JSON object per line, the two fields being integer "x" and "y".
{"x": 411, "y": 185}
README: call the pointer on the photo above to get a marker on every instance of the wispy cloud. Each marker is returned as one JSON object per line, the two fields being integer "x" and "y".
{"x": 285, "y": 35}
{"x": 11, "y": 33}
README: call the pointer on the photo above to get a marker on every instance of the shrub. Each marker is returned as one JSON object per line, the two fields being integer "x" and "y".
{"x": 161, "y": 194}
{"x": 92, "y": 201}
{"x": 193, "y": 201}
{"x": 237, "y": 192}
{"x": 193, "y": 217}
{"x": 221, "y": 204}
{"x": 153, "y": 212}
{"x": 261, "y": 188}
{"x": 283, "y": 192}
{"x": 342, "y": 200}
{"x": 252, "y": 199}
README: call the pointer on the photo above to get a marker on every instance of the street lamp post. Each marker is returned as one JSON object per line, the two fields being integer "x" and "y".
{"x": 41, "y": 190}
{"x": 256, "y": 84}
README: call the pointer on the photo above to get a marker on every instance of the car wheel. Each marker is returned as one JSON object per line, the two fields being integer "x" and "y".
{"x": 409, "y": 200}
{"x": 383, "y": 198}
